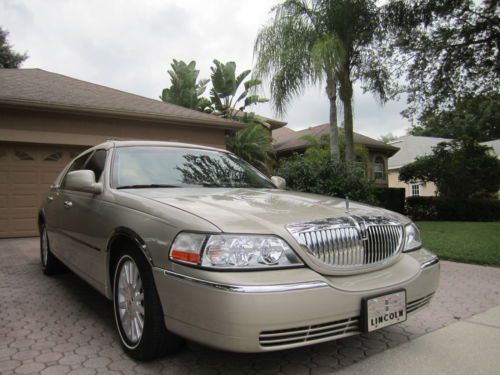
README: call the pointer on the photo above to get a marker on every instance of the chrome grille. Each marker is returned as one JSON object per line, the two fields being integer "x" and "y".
{"x": 310, "y": 334}
{"x": 419, "y": 303}
{"x": 350, "y": 242}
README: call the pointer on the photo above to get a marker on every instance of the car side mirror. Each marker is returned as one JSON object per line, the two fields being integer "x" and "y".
{"x": 83, "y": 180}
{"x": 279, "y": 182}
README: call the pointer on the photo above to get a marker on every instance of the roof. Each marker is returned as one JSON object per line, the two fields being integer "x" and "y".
{"x": 495, "y": 145}
{"x": 286, "y": 139}
{"x": 411, "y": 147}
{"x": 273, "y": 123}
{"x": 40, "y": 89}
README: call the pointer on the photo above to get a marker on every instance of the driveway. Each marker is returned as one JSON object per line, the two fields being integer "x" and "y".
{"x": 60, "y": 325}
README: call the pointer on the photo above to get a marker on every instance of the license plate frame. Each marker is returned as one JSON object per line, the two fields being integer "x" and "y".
{"x": 371, "y": 306}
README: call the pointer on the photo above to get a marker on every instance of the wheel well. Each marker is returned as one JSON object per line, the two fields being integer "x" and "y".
{"x": 117, "y": 243}
{"x": 41, "y": 220}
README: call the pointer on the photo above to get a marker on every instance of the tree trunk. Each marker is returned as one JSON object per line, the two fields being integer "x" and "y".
{"x": 331, "y": 91}
{"x": 346, "y": 97}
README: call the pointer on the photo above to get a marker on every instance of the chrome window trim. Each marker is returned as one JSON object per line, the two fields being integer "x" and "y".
{"x": 248, "y": 288}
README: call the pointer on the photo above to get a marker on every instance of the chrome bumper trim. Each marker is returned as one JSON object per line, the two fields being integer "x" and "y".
{"x": 249, "y": 288}
{"x": 430, "y": 263}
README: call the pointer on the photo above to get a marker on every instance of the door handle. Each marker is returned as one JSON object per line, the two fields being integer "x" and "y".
{"x": 68, "y": 204}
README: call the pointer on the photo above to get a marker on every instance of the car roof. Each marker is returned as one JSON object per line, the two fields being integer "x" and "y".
{"x": 116, "y": 143}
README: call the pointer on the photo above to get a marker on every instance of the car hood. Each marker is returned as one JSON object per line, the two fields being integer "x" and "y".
{"x": 257, "y": 210}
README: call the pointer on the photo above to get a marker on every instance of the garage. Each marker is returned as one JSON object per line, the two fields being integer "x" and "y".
{"x": 27, "y": 171}
{"x": 47, "y": 118}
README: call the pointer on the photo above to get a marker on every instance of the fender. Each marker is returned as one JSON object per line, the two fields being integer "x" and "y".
{"x": 129, "y": 233}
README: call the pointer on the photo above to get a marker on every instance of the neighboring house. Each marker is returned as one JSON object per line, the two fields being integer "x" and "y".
{"x": 495, "y": 145}
{"x": 287, "y": 142}
{"x": 411, "y": 147}
{"x": 46, "y": 119}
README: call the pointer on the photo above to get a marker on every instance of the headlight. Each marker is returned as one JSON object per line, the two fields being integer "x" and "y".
{"x": 412, "y": 238}
{"x": 233, "y": 251}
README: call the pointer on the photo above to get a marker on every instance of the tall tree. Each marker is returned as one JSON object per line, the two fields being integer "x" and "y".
{"x": 445, "y": 50}
{"x": 185, "y": 89}
{"x": 8, "y": 57}
{"x": 477, "y": 117}
{"x": 322, "y": 41}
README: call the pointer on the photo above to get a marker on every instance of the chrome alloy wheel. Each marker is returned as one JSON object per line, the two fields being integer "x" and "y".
{"x": 45, "y": 247}
{"x": 130, "y": 300}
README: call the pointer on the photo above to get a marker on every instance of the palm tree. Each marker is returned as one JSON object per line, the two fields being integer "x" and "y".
{"x": 321, "y": 41}
{"x": 253, "y": 144}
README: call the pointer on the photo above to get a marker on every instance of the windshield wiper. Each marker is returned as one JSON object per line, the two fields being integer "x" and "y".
{"x": 147, "y": 186}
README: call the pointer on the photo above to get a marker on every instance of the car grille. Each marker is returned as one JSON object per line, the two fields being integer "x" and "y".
{"x": 318, "y": 332}
{"x": 351, "y": 242}
{"x": 418, "y": 303}
{"x": 325, "y": 331}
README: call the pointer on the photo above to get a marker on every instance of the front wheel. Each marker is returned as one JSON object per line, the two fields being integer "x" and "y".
{"x": 138, "y": 312}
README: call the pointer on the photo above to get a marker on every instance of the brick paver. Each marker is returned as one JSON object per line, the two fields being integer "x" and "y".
{"x": 60, "y": 325}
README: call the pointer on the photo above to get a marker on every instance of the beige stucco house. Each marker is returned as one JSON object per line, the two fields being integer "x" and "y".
{"x": 287, "y": 141}
{"x": 46, "y": 119}
{"x": 411, "y": 147}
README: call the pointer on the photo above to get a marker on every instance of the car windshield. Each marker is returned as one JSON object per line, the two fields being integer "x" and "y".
{"x": 156, "y": 167}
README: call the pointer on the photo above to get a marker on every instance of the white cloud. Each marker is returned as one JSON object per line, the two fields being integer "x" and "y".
{"x": 129, "y": 45}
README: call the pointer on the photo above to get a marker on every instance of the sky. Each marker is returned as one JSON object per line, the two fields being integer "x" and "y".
{"x": 129, "y": 45}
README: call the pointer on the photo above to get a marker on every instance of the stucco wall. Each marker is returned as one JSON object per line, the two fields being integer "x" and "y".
{"x": 426, "y": 190}
{"x": 59, "y": 128}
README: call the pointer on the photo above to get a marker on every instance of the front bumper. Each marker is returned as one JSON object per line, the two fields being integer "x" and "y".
{"x": 273, "y": 310}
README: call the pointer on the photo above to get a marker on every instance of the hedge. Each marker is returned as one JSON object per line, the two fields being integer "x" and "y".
{"x": 437, "y": 208}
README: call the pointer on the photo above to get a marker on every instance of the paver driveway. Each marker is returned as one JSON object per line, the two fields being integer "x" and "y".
{"x": 61, "y": 325}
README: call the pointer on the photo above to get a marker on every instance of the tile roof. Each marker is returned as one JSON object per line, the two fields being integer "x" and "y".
{"x": 52, "y": 91}
{"x": 286, "y": 139}
{"x": 410, "y": 147}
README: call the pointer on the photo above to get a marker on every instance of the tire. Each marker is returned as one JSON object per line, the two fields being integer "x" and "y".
{"x": 50, "y": 264}
{"x": 135, "y": 300}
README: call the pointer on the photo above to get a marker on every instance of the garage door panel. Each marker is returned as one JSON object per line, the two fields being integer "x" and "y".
{"x": 26, "y": 173}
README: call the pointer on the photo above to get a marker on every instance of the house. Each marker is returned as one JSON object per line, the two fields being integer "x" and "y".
{"x": 411, "y": 147}
{"x": 287, "y": 142}
{"x": 46, "y": 119}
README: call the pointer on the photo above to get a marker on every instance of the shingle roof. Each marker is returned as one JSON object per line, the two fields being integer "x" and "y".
{"x": 410, "y": 147}
{"x": 286, "y": 139}
{"x": 51, "y": 91}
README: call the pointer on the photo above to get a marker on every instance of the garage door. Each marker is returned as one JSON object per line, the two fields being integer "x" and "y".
{"x": 26, "y": 173}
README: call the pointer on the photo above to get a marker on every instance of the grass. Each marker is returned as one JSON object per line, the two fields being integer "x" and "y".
{"x": 469, "y": 242}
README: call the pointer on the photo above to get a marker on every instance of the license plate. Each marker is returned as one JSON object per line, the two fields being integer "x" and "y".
{"x": 385, "y": 310}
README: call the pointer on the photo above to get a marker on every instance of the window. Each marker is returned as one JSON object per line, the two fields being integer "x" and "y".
{"x": 378, "y": 168}
{"x": 96, "y": 163}
{"x": 54, "y": 157}
{"x": 173, "y": 167}
{"x": 415, "y": 190}
{"x": 22, "y": 155}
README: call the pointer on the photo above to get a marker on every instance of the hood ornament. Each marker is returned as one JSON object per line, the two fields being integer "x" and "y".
{"x": 346, "y": 204}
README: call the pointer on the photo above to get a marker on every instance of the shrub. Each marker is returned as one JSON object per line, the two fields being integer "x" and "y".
{"x": 439, "y": 208}
{"x": 324, "y": 176}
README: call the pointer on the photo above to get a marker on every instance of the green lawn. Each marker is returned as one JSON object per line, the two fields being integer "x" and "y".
{"x": 470, "y": 242}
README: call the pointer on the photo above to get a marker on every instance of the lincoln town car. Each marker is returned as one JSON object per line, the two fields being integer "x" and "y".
{"x": 191, "y": 242}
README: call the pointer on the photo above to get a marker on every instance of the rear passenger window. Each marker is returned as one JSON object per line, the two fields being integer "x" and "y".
{"x": 96, "y": 163}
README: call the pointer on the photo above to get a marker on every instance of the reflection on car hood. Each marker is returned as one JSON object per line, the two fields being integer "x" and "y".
{"x": 257, "y": 210}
